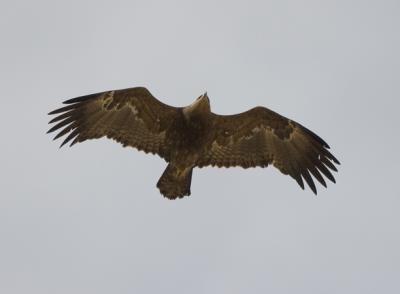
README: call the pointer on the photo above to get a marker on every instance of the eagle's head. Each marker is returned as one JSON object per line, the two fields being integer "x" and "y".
{"x": 201, "y": 106}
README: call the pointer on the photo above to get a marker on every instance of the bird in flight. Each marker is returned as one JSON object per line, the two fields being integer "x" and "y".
{"x": 193, "y": 136}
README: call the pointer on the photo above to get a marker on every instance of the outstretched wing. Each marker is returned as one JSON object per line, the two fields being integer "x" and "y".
{"x": 131, "y": 116}
{"x": 260, "y": 137}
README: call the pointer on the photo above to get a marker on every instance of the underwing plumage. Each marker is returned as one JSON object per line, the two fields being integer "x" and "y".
{"x": 193, "y": 136}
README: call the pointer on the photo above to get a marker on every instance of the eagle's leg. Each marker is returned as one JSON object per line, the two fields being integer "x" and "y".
{"x": 175, "y": 181}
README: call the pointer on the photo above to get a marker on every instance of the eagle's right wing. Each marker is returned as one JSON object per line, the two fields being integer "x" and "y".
{"x": 260, "y": 137}
{"x": 131, "y": 116}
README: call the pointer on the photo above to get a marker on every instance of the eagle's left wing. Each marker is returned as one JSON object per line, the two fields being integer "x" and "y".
{"x": 133, "y": 117}
{"x": 260, "y": 137}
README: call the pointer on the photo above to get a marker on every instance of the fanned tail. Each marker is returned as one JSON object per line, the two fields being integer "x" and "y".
{"x": 175, "y": 182}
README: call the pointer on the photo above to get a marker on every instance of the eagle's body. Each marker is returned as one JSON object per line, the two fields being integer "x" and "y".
{"x": 188, "y": 139}
{"x": 193, "y": 136}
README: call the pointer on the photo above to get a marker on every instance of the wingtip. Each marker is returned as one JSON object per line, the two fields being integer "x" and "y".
{"x": 52, "y": 112}
{"x": 62, "y": 144}
{"x": 300, "y": 182}
{"x": 52, "y": 129}
{"x": 76, "y": 140}
{"x": 82, "y": 98}
{"x": 314, "y": 190}
{"x": 70, "y": 101}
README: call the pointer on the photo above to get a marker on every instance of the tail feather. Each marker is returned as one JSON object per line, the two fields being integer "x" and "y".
{"x": 174, "y": 182}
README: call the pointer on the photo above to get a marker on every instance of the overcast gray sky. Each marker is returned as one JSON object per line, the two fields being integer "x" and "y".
{"x": 90, "y": 220}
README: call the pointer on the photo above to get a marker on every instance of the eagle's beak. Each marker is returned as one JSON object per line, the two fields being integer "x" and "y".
{"x": 205, "y": 96}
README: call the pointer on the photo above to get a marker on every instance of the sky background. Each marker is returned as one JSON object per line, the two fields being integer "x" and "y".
{"x": 89, "y": 219}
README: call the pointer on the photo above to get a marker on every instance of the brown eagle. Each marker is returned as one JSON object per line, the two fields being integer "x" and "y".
{"x": 193, "y": 136}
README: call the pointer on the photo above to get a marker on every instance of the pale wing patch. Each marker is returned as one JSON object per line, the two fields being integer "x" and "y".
{"x": 254, "y": 131}
{"x": 108, "y": 99}
{"x": 133, "y": 109}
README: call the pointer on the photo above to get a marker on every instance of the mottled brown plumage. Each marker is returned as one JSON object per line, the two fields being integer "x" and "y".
{"x": 193, "y": 136}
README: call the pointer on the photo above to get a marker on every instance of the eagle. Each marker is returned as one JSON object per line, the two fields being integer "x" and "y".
{"x": 193, "y": 136}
